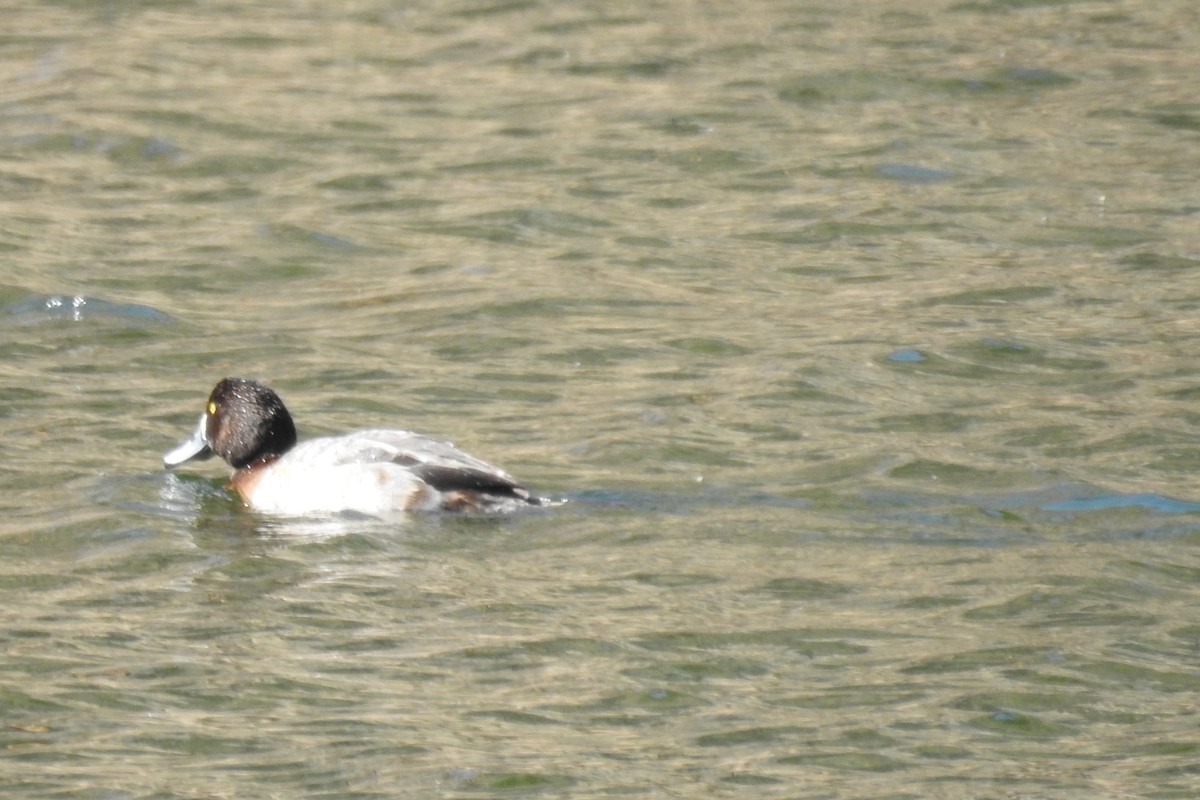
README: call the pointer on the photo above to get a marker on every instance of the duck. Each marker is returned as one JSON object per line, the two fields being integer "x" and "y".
{"x": 376, "y": 472}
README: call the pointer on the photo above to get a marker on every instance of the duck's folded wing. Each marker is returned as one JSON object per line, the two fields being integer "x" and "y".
{"x": 458, "y": 479}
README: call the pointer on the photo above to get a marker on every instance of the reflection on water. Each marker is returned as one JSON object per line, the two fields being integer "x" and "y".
{"x": 860, "y": 340}
{"x": 78, "y": 308}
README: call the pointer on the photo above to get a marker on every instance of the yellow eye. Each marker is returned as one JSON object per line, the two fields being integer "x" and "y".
{"x": 212, "y": 407}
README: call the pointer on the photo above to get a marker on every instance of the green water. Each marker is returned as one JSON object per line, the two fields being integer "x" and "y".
{"x": 860, "y": 338}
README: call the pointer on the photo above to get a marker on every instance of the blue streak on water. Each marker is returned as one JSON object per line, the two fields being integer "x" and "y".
{"x": 907, "y": 355}
{"x": 914, "y": 174}
{"x": 1152, "y": 502}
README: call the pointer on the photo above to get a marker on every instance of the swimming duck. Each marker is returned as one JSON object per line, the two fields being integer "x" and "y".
{"x": 370, "y": 471}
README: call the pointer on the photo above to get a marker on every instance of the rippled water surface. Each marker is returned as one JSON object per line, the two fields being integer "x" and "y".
{"x": 861, "y": 338}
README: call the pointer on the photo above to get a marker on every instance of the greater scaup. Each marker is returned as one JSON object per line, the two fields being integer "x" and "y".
{"x": 369, "y": 471}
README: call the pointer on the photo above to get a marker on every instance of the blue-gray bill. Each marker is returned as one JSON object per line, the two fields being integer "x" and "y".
{"x": 194, "y": 449}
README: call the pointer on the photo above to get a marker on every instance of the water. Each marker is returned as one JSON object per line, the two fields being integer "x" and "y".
{"x": 860, "y": 340}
